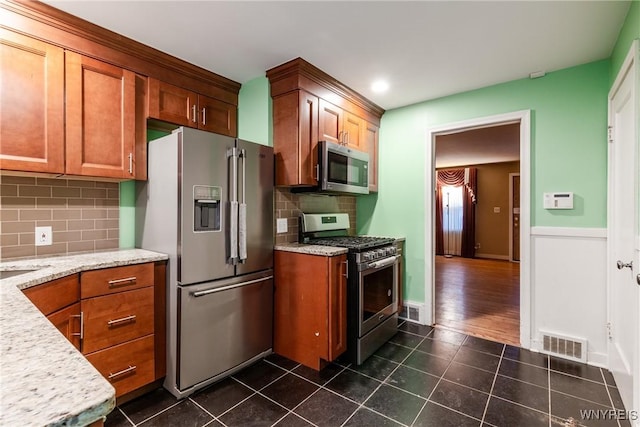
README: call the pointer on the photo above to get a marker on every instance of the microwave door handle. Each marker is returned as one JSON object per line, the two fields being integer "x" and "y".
{"x": 242, "y": 231}
{"x": 233, "y": 214}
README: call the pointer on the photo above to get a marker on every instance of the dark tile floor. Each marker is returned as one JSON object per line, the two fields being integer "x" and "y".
{"x": 422, "y": 377}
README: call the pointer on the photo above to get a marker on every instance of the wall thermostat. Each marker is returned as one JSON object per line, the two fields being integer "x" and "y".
{"x": 558, "y": 200}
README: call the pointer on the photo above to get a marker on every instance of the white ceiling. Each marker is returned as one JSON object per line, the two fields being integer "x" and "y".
{"x": 425, "y": 49}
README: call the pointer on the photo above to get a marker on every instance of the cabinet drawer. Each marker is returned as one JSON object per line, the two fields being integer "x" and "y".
{"x": 55, "y": 295}
{"x": 116, "y": 279}
{"x": 114, "y": 319}
{"x": 126, "y": 366}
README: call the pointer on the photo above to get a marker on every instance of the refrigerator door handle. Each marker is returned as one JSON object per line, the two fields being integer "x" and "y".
{"x": 242, "y": 232}
{"x": 233, "y": 214}
{"x": 226, "y": 288}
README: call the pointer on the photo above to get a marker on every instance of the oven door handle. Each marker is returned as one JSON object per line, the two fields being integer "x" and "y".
{"x": 384, "y": 263}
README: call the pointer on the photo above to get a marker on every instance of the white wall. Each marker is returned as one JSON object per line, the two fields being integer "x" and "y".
{"x": 569, "y": 287}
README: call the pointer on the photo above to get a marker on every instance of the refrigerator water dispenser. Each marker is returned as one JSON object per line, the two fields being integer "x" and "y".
{"x": 206, "y": 208}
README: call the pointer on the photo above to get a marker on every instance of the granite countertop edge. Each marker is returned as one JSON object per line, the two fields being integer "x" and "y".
{"x": 310, "y": 249}
{"x": 44, "y": 379}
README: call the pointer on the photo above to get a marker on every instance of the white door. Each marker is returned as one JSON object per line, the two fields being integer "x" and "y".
{"x": 624, "y": 292}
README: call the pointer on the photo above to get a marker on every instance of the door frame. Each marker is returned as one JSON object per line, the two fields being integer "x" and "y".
{"x": 524, "y": 118}
{"x": 630, "y": 64}
{"x": 511, "y": 175}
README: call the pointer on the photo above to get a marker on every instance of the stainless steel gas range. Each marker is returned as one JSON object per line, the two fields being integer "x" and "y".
{"x": 372, "y": 300}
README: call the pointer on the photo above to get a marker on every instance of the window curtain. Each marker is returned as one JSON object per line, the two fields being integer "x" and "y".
{"x": 468, "y": 179}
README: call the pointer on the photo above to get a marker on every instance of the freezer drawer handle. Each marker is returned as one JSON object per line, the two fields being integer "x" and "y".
{"x": 226, "y": 288}
{"x": 130, "y": 318}
{"x": 126, "y": 280}
{"x": 123, "y": 372}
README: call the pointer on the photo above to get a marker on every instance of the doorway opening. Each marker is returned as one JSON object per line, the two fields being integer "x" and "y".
{"x": 480, "y": 250}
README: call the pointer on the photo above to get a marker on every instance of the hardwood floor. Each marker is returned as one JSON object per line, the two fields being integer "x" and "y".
{"x": 479, "y": 297}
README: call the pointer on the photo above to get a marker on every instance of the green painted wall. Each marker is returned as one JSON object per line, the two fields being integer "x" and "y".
{"x": 569, "y": 153}
{"x": 128, "y": 204}
{"x": 630, "y": 31}
{"x": 254, "y": 112}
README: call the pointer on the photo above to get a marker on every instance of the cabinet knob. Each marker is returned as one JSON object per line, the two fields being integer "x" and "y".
{"x": 317, "y": 334}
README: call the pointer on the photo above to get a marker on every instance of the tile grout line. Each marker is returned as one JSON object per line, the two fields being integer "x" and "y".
{"x": 493, "y": 383}
{"x": 361, "y": 405}
{"x": 606, "y": 386}
{"x": 160, "y": 412}
{"x": 439, "y": 380}
{"x": 126, "y": 416}
{"x": 214, "y": 418}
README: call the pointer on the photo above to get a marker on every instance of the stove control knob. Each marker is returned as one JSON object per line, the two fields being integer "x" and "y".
{"x": 367, "y": 256}
{"x": 391, "y": 250}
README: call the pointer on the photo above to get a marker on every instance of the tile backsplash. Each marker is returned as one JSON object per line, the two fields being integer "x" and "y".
{"x": 84, "y": 215}
{"x": 290, "y": 205}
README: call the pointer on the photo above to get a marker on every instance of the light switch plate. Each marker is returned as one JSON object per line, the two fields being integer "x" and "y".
{"x": 281, "y": 225}
{"x": 43, "y": 236}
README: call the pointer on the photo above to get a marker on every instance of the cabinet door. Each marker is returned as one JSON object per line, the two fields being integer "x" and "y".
{"x": 295, "y": 138}
{"x": 68, "y": 323}
{"x": 337, "y": 306}
{"x": 370, "y": 141}
{"x": 100, "y": 118}
{"x": 31, "y": 104}
{"x": 353, "y": 128}
{"x": 216, "y": 116}
{"x": 172, "y": 104}
{"x": 330, "y": 122}
{"x": 300, "y": 308}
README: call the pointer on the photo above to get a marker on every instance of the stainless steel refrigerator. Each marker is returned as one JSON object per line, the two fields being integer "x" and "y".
{"x": 208, "y": 203}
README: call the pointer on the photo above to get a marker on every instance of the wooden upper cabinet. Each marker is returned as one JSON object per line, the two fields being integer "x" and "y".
{"x": 100, "y": 118}
{"x": 370, "y": 141}
{"x": 217, "y": 116}
{"x": 330, "y": 122}
{"x": 353, "y": 131}
{"x": 172, "y": 104}
{"x": 295, "y": 127}
{"x": 31, "y": 104}
{"x": 176, "y": 105}
{"x": 311, "y": 106}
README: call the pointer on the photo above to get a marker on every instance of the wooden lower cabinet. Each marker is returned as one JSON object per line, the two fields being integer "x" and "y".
{"x": 67, "y": 321}
{"x": 310, "y": 309}
{"x": 120, "y": 312}
{"x": 114, "y": 319}
{"x": 126, "y": 366}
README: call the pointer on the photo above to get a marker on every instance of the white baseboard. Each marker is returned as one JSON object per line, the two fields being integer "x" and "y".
{"x": 493, "y": 256}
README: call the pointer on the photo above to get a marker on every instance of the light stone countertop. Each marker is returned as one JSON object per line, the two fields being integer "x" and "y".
{"x": 44, "y": 380}
{"x": 310, "y": 249}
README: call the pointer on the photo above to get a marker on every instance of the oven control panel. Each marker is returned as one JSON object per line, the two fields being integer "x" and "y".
{"x": 375, "y": 254}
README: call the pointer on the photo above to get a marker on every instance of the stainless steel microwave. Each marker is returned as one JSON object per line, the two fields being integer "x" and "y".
{"x": 342, "y": 169}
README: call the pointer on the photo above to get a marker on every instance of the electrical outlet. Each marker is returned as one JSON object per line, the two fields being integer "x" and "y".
{"x": 496, "y": 209}
{"x": 44, "y": 236}
{"x": 281, "y": 225}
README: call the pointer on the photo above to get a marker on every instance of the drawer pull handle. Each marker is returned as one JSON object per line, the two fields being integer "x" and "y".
{"x": 123, "y": 372}
{"x": 122, "y": 320}
{"x": 124, "y": 281}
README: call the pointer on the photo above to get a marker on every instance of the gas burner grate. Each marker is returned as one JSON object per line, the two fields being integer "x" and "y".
{"x": 353, "y": 242}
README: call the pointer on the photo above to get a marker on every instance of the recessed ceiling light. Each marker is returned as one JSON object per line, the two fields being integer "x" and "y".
{"x": 380, "y": 86}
